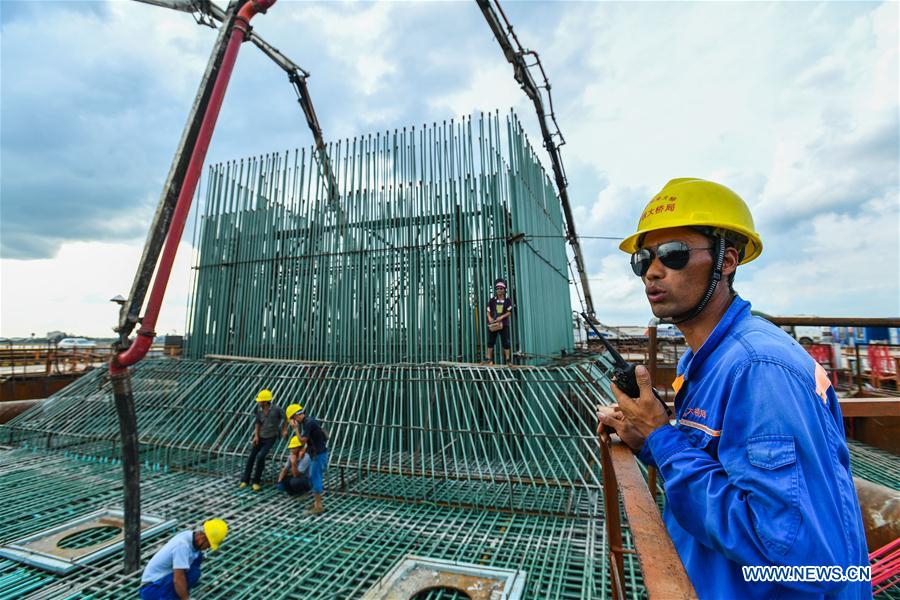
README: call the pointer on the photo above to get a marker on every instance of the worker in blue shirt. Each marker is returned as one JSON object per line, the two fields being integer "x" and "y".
{"x": 756, "y": 468}
{"x": 175, "y": 568}
{"x": 310, "y": 433}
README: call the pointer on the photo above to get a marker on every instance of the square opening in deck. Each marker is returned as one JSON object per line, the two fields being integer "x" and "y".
{"x": 78, "y": 542}
{"x": 414, "y": 576}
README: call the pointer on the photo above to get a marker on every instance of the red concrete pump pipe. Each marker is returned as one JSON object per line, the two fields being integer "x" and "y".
{"x": 139, "y": 347}
{"x": 206, "y": 112}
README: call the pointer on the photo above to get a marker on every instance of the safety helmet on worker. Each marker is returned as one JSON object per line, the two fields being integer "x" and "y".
{"x": 697, "y": 203}
{"x": 292, "y": 410}
{"x": 215, "y": 530}
{"x": 264, "y": 396}
{"x": 295, "y": 443}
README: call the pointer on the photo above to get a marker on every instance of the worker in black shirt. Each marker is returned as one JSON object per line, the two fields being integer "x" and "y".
{"x": 311, "y": 434}
{"x": 499, "y": 311}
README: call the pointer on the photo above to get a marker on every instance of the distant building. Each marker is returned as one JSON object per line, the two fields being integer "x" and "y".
{"x": 866, "y": 335}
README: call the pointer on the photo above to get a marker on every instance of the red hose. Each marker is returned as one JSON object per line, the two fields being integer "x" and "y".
{"x": 141, "y": 344}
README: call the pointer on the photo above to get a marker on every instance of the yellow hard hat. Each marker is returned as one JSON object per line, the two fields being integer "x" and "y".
{"x": 292, "y": 410}
{"x": 690, "y": 202}
{"x": 264, "y": 396}
{"x": 215, "y": 530}
{"x": 295, "y": 443}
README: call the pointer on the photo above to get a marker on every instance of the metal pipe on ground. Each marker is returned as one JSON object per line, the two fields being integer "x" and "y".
{"x": 880, "y": 511}
{"x": 13, "y": 408}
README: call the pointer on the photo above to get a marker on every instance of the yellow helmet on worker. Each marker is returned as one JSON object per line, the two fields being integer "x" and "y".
{"x": 295, "y": 443}
{"x": 264, "y": 396}
{"x": 292, "y": 410}
{"x": 215, "y": 530}
{"x": 690, "y": 202}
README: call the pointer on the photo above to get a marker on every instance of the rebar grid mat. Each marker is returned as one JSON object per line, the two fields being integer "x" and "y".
{"x": 400, "y": 267}
{"x": 874, "y": 464}
{"x": 274, "y": 550}
{"x": 520, "y": 431}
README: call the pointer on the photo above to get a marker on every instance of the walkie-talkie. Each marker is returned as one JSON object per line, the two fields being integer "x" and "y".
{"x": 625, "y": 377}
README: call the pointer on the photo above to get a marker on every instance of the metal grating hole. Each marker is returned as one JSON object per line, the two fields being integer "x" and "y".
{"x": 441, "y": 593}
{"x": 89, "y": 537}
{"x": 421, "y": 578}
{"x": 85, "y": 539}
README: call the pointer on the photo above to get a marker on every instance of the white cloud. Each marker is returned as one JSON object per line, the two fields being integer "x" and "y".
{"x": 71, "y": 292}
{"x": 794, "y": 105}
{"x": 356, "y": 36}
{"x": 491, "y": 87}
{"x": 835, "y": 262}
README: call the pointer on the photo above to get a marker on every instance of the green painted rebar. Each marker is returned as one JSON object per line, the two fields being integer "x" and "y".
{"x": 518, "y": 439}
{"x": 446, "y": 477}
{"x": 275, "y": 551}
{"x": 400, "y": 268}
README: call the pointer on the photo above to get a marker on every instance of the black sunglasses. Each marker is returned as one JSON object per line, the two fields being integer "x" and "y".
{"x": 673, "y": 255}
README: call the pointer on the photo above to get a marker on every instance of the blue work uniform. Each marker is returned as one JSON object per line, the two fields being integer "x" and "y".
{"x": 756, "y": 468}
{"x": 158, "y": 579}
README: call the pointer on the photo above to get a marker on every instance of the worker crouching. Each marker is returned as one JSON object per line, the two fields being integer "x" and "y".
{"x": 175, "y": 568}
{"x": 311, "y": 434}
{"x": 268, "y": 422}
{"x": 294, "y": 476}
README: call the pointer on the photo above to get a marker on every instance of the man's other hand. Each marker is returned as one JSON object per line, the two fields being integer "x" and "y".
{"x": 612, "y": 417}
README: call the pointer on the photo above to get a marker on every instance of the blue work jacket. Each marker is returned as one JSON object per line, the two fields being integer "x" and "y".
{"x": 756, "y": 468}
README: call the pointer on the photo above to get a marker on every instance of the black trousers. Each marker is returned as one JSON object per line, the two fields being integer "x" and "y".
{"x": 258, "y": 457}
{"x": 296, "y": 486}
{"x": 504, "y": 338}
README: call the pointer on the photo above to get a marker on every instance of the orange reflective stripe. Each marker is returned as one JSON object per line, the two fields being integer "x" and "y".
{"x": 822, "y": 383}
{"x": 679, "y": 381}
{"x": 703, "y": 428}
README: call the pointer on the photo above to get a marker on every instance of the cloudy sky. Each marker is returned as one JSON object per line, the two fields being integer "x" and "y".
{"x": 793, "y": 105}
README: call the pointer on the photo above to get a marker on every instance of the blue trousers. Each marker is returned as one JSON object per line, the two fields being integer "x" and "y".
{"x": 164, "y": 587}
{"x": 317, "y": 471}
{"x": 258, "y": 457}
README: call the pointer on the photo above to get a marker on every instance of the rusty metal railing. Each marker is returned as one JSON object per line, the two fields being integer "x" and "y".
{"x": 664, "y": 575}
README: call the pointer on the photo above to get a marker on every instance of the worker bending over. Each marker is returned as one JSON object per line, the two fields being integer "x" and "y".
{"x": 268, "y": 421}
{"x": 756, "y": 466}
{"x": 313, "y": 437}
{"x": 294, "y": 476}
{"x": 499, "y": 311}
{"x": 175, "y": 568}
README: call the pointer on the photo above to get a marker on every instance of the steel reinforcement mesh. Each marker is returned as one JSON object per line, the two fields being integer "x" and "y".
{"x": 474, "y": 464}
{"x": 485, "y": 465}
{"x": 491, "y": 436}
{"x": 274, "y": 550}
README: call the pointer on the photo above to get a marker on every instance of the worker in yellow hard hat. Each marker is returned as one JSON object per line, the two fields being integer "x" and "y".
{"x": 756, "y": 467}
{"x": 309, "y": 431}
{"x": 294, "y": 476}
{"x": 268, "y": 422}
{"x": 175, "y": 568}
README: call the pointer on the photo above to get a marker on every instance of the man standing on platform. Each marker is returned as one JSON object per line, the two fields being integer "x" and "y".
{"x": 499, "y": 311}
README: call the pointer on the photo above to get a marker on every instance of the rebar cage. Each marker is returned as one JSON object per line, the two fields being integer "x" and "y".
{"x": 397, "y": 264}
